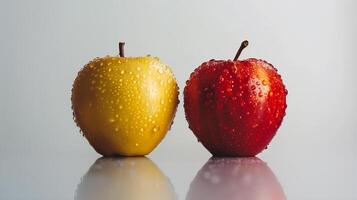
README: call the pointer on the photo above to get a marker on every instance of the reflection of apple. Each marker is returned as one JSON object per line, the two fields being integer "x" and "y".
{"x": 133, "y": 178}
{"x": 234, "y": 108}
{"x": 124, "y": 105}
{"x": 235, "y": 178}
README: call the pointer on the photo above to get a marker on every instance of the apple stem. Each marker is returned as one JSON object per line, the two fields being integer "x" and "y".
{"x": 121, "y": 49}
{"x": 242, "y": 46}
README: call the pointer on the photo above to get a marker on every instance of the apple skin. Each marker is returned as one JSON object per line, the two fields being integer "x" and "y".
{"x": 234, "y": 108}
{"x": 235, "y": 178}
{"x": 124, "y": 178}
{"x": 124, "y": 105}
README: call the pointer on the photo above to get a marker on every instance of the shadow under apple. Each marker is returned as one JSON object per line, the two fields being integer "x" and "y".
{"x": 246, "y": 178}
{"x": 131, "y": 178}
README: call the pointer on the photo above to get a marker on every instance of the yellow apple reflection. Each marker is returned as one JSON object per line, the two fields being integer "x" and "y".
{"x": 235, "y": 178}
{"x": 130, "y": 178}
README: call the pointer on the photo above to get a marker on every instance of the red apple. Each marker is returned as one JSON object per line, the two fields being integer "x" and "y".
{"x": 234, "y": 107}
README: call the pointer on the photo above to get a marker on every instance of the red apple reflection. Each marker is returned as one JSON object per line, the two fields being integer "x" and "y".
{"x": 235, "y": 178}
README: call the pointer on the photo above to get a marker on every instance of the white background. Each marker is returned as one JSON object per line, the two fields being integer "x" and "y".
{"x": 45, "y": 43}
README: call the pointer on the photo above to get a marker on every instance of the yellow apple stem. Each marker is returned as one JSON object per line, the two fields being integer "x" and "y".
{"x": 121, "y": 49}
{"x": 242, "y": 46}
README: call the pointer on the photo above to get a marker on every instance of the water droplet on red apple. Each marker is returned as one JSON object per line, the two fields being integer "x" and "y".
{"x": 221, "y": 78}
{"x": 264, "y": 82}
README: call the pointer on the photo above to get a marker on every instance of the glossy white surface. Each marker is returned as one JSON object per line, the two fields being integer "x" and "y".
{"x": 45, "y": 43}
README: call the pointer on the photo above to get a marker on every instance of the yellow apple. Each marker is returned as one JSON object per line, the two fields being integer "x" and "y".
{"x": 124, "y": 105}
{"x": 133, "y": 178}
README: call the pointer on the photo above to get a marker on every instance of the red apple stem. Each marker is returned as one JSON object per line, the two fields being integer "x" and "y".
{"x": 242, "y": 46}
{"x": 121, "y": 49}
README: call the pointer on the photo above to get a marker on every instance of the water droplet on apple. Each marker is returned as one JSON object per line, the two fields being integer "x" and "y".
{"x": 136, "y": 144}
{"x": 156, "y": 128}
{"x": 264, "y": 82}
{"x": 111, "y": 120}
{"x": 234, "y": 69}
{"x": 252, "y": 87}
{"x": 242, "y": 103}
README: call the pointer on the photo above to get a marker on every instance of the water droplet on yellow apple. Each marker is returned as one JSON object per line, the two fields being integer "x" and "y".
{"x": 156, "y": 128}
